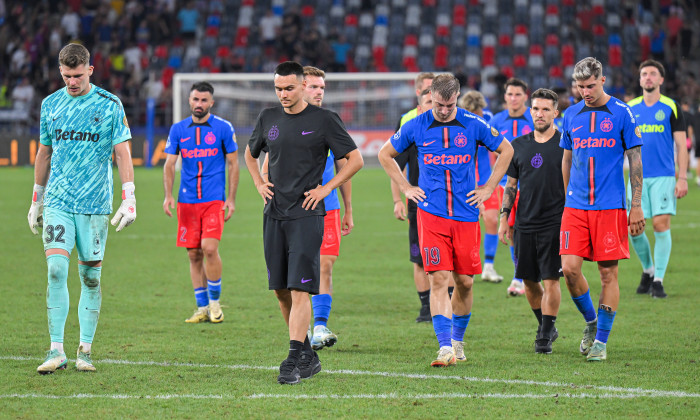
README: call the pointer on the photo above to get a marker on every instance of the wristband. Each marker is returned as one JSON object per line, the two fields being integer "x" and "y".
{"x": 128, "y": 190}
{"x": 38, "y": 193}
{"x": 505, "y": 211}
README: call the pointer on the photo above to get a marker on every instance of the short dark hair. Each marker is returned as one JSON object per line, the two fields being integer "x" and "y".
{"x": 445, "y": 85}
{"x": 546, "y": 94}
{"x": 653, "y": 63}
{"x": 515, "y": 82}
{"x": 290, "y": 67}
{"x": 73, "y": 55}
{"x": 203, "y": 87}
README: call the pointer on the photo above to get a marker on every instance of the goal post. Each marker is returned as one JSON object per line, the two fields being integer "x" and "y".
{"x": 370, "y": 104}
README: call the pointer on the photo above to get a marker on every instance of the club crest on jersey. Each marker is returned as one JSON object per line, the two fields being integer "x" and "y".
{"x": 460, "y": 140}
{"x": 536, "y": 160}
{"x": 126, "y": 123}
{"x": 397, "y": 134}
{"x": 660, "y": 115}
{"x": 638, "y": 132}
{"x": 96, "y": 116}
{"x": 494, "y": 132}
{"x": 606, "y": 125}
{"x": 273, "y": 133}
{"x": 210, "y": 138}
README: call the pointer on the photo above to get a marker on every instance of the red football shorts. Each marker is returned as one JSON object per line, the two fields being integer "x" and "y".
{"x": 196, "y": 221}
{"x": 449, "y": 245}
{"x": 513, "y": 210}
{"x": 595, "y": 235}
{"x": 331, "y": 233}
{"x": 494, "y": 202}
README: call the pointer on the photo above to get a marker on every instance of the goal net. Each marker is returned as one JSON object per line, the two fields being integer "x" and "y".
{"x": 370, "y": 104}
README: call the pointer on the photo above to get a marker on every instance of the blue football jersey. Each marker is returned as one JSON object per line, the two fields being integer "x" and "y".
{"x": 598, "y": 138}
{"x": 512, "y": 127}
{"x": 82, "y": 132}
{"x": 657, "y": 124}
{"x": 446, "y": 153}
{"x": 203, "y": 148}
{"x": 331, "y": 201}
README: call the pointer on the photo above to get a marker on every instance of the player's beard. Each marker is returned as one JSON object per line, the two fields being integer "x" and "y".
{"x": 543, "y": 129}
{"x": 650, "y": 89}
{"x": 200, "y": 114}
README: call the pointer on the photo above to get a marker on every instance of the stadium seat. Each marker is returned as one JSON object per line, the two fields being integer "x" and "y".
{"x": 504, "y": 40}
{"x": 410, "y": 39}
{"x": 508, "y": 71}
{"x": 567, "y": 55}
{"x": 441, "y": 55}
{"x": 556, "y": 72}
{"x": 459, "y": 15}
{"x": 166, "y": 77}
{"x": 488, "y": 54}
{"x": 519, "y": 61}
{"x": 205, "y": 62}
{"x": 614, "y": 56}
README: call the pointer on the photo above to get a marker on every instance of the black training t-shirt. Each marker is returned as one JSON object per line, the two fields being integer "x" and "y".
{"x": 298, "y": 146}
{"x": 409, "y": 157}
{"x": 538, "y": 168}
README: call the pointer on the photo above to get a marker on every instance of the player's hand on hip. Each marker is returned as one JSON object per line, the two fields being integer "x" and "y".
{"x": 35, "y": 216}
{"x": 125, "y": 215}
{"x": 265, "y": 190}
{"x": 636, "y": 221}
{"x": 230, "y": 207}
{"x": 347, "y": 224}
{"x": 399, "y": 210}
{"x": 414, "y": 193}
{"x": 478, "y": 195}
{"x": 313, "y": 197}
{"x": 168, "y": 203}
{"x": 681, "y": 188}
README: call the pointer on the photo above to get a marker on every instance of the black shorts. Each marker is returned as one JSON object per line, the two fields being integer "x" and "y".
{"x": 413, "y": 243}
{"x": 537, "y": 255}
{"x": 293, "y": 253}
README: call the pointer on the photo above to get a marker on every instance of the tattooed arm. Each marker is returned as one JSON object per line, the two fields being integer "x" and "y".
{"x": 636, "y": 216}
{"x": 505, "y": 232}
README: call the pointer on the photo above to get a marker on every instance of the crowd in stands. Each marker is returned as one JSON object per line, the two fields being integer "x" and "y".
{"x": 137, "y": 45}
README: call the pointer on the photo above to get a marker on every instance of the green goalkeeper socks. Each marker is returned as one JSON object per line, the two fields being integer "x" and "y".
{"x": 57, "y": 302}
{"x": 90, "y": 301}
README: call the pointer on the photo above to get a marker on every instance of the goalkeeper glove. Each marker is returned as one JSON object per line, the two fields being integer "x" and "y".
{"x": 126, "y": 214}
{"x": 35, "y": 216}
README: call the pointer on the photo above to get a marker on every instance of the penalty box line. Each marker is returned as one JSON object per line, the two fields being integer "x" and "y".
{"x": 631, "y": 392}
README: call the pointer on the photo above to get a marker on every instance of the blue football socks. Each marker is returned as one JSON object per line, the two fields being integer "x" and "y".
{"x": 200, "y": 295}
{"x": 490, "y": 248}
{"x": 443, "y": 326}
{"x": 585, "y": 306}
{"x": 322, "y": 308}
{"x": 214, "y": 287}
{"x": 605, "y": 322}
{"x": 459, "y": 326}
{"x": 90, "y": 301}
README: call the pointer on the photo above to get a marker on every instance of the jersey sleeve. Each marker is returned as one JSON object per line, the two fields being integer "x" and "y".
{"x": 229, "y": 141}
{"x": 44, "y": 133}
{"x": 489, "y": 135}
{"x": 403, "y": 138}
{"x": 565, "y": 140}
{"x": 257, "y": 142}
{"x": 337, "y": 137}
{"x": 120, "y": 126}
{"x": 172, "y": 146}
{"x": 678, "y": 122}
{"x": 631, "y": 133}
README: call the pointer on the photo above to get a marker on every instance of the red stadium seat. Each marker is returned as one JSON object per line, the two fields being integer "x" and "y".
{"x": 567, "y": 55}
{"x": 441, "y": 53}
{"x": 504, "y": 40}
{"x": 205, "y": 62}
{"x": 552, "y": 40}
{"x": 212, "y": 32}
{"x": 598, "y": 10}
{"x": 488, "y": 54}
{"x": 521, "y": 29}
{"x": 161, "y": 51}
{"x": 223, "y": 51}
{"x": 308, "y": 11}
{"x": 443, "y": 30}
{"x": 410, "y": 39}
{"x": 519, "y": 61}
{"x": 535, "y": 49}
{"x": 556, "y": 71}
{"x": 459, "y": 15}
{"x": 167, "y": 76}
{"x": 429, "y": 3}
{"x": 552, "y": 9}
{"x": 508, "y": 71}
{"x": 598, "y": 30}
{"x": 378, "y": 54}
{"x": 409, "y": 62}
{"x": 614, "y": 56}
{"x": 351, "y": 20}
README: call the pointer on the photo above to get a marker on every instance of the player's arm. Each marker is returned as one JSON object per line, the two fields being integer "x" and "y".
{"x": 682, "y": 158}
{"x": 636, "y": 217}
{"x": 266, "y": 168}
{"x": 168, "y": 179}
{"x": 505, "y": 232}
{"x": 386, "y": 158}
{"x": 347, "y": 223}
{"x": 480, "y": 194}
{"x": 264, "y": 187}
{"x": 399, "y": 206}
{"x": 42, "y": 167}
{"x": 233, "y": 175}
{"x": 126, "y": 214}
{"x": 566, "y": 168}
{"x": 354, "y": 164}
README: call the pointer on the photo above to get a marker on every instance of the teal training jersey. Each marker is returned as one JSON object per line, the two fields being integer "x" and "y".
{"x": 82, "y": 131}
{"x": 657, "y": 124}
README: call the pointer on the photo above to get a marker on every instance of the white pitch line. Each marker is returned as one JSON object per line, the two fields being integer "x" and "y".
{"x": 392, "y": 396}
{"x": 629, "y": 391}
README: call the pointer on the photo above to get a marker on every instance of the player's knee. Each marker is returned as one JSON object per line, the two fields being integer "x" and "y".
{"x": 90, "y": 276}
{"x": 196, "y": 255}
{"x": 210, "y": 251}
{"x": 464, "y": 282}
{"x": 57, "y": 269}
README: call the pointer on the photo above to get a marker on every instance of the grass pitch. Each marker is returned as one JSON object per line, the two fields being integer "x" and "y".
{"x": 151, "y": 364}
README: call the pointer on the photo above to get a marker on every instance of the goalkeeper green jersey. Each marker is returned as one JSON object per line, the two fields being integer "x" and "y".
{"x": 82, "y": 131}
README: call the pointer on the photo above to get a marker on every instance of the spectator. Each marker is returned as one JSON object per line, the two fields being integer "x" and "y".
{"x": 188, "y": 18}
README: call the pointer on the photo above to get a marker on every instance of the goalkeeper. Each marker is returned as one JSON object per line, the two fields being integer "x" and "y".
{"x": 81, "y": 126}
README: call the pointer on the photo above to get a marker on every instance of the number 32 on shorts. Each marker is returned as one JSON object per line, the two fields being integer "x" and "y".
{"x": 432, "y": 256}
{"x": 54, "y": 233}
